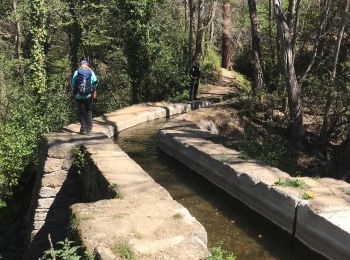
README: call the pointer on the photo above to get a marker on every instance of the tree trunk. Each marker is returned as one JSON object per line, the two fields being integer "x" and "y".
{"x": 211, "y": 23}
{"x": 259, "y": 82}
{"x": 285, "y": 34}
{"x": 74, "y": 37}
{"x": 295, "y": 27}
{"x": 271, "y": 37}
{"x": 192, "y": 8}
{"x": 18, "y": 36}
{"x": 274, "y": 78}
{"x": 200, "y": 30}
{"x": 227, "y": 45}
{"x": 185, "y": 3}
{"x": 331, "y": 91}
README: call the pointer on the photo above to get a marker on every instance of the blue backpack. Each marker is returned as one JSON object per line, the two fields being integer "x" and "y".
{"x": 84, "y": 84}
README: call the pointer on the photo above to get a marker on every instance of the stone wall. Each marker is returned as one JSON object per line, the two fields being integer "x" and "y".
{"x": 116, "y": 206}
{"x": 56, "y": 189}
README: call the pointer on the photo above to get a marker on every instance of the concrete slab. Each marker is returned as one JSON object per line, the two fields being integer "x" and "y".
{"x": 145, "y": 216}
{"x": 325, "y": 232}
{"x": 322, "y": 223}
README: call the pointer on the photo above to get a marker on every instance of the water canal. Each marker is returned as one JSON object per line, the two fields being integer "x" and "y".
{"x": 243, "y": 232}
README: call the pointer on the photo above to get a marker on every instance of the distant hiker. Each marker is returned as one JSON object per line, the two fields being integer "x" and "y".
{"x": 195, "y": 74}
{"x": 84, "y": 83}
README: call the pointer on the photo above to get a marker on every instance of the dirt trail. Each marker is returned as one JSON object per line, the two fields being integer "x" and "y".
{"x": 226, "y": 86}
{"x": 259, "y": 131}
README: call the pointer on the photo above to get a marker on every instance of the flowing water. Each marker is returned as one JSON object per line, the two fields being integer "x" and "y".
{"x": 241, "y": 231}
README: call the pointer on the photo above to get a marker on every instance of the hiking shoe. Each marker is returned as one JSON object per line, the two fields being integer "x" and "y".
{"x": 83, "y": 132}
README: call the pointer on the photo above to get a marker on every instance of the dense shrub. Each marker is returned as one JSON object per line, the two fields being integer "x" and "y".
{"x": 211, "y": 65}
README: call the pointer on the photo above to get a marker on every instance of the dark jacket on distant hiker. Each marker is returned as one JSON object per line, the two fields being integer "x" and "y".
{"x": 195, "y": 74}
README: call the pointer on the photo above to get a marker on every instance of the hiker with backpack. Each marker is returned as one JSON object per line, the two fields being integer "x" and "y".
{"x": 195, "y": 74}
{"x": 84, "y": 83}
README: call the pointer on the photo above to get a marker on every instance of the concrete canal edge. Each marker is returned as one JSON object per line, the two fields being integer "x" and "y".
{"x": 123, "y": 204}
{"x": 322, "y": 223}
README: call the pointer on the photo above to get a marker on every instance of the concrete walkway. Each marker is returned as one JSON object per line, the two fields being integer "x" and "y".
{"x": 123, "y": 206}
{"x": 322, "y": 221}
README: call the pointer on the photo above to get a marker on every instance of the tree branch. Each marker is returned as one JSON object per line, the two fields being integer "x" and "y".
{"x": 317, "y": 42}
{"x": 295, "y": 28}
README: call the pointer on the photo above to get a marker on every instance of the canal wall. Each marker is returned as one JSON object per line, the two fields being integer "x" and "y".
{"x": 321, "y": 222}
{"x": 107, "y": 199}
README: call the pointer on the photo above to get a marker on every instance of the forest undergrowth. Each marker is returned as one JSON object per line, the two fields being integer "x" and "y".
{"x": 259, "y": 130}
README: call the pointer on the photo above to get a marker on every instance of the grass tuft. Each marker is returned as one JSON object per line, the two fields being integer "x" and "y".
{"x": 122, "y": 249}
{"x": 217, "y": 253}
{"x": 222, "y": 157}
{"x": 347, "y": 191}
{"x": 177, "y": 216}
{"x": 74, "y": 223}
{"x": 288, "y": 182}
{"x": 119, "y": 215}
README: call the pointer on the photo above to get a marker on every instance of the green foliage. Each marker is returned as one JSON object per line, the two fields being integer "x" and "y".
{"x": 18, "y": 145}
{"x": 79, "y": 160}
{"x": 217, "y": 253}
{"x": 37, "y": 75}
{"x": 122, "y": 249}
{"x": 11, "y": 78}
{"x": 114, "y": 89}
{"x": 272, "y": 151}
{"x": 30, "y": 104}
{"x": 74, "y": 223}
{"x": 168, "y": 76}
{"x": 21, "y": 129}
{"x": 153, "y": 44}
{"x": 136, "y": 36}
{"x": 89, "y": 256}
{"x": 67, "y": 252}
{"x": 319, "y": 80}
{"x": 180, "y": 97}
{"x": 93, "y": 29}
{"x": 113, "y": 191}
{"x": 243, "y": 81}
{"x": 211, "y": 65}
{"x": 56, "y": 111}
{"x": 2, "y": 204}
{"x": 12, "y": 223}
{"x": 242, "y": 63}
{"x": 297, "y": 183}
{"x": 145, "y": 50}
